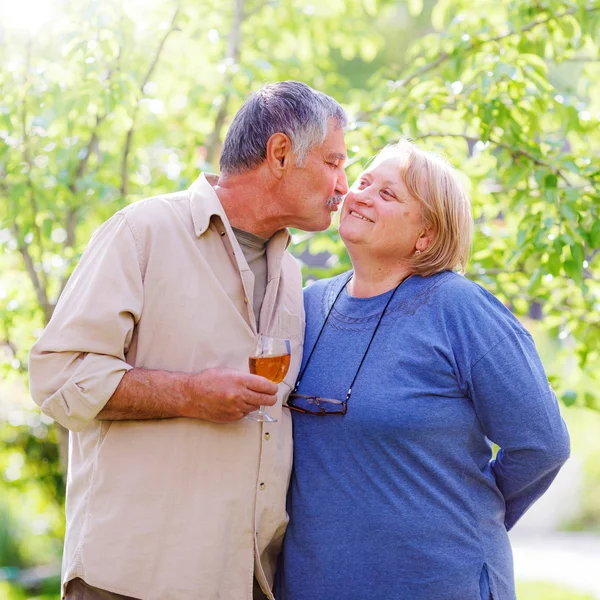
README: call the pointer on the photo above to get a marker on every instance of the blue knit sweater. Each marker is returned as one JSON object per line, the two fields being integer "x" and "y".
{"x": 400, "y": 498}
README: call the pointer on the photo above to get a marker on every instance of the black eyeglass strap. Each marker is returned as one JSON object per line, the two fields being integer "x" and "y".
{"x": 372, "y": 338}
{"x": 370, "y": 341}
{"x": 320, "y": 333}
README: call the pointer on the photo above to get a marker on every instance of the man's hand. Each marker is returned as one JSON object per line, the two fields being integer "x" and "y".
{"x": 216, "y": 395}
{"x": 224, "y": 395}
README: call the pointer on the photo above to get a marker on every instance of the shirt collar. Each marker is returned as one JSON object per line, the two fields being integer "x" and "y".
{"x": 205, "y": 204}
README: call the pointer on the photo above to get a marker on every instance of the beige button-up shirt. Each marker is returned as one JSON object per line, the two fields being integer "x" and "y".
{"x": 174, "y": 509}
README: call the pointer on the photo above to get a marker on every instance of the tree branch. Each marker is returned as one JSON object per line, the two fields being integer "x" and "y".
{"x": 258, "y": 8}
{"x": 93, "y": 141}
{"x": 38, "y": 280}
{"x": 83, "y": 162}
{"x": 213, "y": 141}
{"x": 498, "y": 144}
{"x": 583, "y": 59}
{"x": 9, "y": 344}
{"x": 37, "y": 234}
{"x": 70, "y": 226}
{"x": 444, "y": 56}
{"x": 40, "y": 291}
{"x": 151, "y": 68}
{"x": 13, "y": 349}
{"x": 73, "y": 211}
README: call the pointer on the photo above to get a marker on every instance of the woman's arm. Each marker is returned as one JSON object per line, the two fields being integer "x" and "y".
{"x": 519, "y": 412}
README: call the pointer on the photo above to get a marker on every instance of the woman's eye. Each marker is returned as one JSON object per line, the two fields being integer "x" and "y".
{"x": 389, "y": 194}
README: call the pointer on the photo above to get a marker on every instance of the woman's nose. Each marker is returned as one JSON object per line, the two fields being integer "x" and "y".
{"x": 363, "y": 196}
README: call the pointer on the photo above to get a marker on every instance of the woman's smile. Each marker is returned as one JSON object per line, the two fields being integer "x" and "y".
{"x": 357, "y": 215}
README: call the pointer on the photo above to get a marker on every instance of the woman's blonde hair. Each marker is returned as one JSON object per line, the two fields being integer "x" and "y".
{"x": 434, "y": 182}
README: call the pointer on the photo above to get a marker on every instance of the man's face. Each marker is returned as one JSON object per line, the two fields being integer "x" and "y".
{"x": 315, "y": 190}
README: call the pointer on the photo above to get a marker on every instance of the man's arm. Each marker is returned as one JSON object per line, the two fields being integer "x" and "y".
{"x": 78, "y": 371}
{"x": 216, "y": 395}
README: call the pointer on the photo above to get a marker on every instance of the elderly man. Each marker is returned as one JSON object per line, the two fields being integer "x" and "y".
{"x": 171, "y": 494}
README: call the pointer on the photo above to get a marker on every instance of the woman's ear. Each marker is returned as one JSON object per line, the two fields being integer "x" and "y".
{"x": 425, "y": 239}
{"x": 279, "y": 153}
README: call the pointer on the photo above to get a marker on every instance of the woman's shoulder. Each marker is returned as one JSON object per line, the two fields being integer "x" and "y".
{"x": 454, "y": 286}
{"x": 464, "y": 299}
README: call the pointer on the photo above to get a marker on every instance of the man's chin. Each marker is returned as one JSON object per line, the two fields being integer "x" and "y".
{"x": 314, "y": 226}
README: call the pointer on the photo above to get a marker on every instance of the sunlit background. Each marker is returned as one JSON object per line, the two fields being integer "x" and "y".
{"x": 103, "y": 102}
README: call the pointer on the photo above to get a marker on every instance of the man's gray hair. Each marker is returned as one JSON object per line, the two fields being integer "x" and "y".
{"x": 288, "y": 107}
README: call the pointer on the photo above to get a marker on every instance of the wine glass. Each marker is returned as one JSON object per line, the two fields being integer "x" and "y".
{"x": 271, "y": 359}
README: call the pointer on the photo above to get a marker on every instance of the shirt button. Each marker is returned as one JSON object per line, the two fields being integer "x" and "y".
{"x": 246, "y": 300}
{"x": 262, "y": 486}
{"x": 267, "y": 435}
{"x": 222, "y": 232}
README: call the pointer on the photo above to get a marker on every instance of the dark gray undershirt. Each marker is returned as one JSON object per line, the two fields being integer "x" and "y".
{"x": 254, "y": 249}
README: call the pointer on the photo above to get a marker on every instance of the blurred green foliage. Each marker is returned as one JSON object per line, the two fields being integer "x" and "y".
{"x": 49, "y": 590}
{"x": 103, "y": 103}
{"x": 548, "y": 591}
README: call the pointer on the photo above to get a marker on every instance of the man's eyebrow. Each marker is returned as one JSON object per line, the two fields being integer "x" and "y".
{"x": 336, "y": 156}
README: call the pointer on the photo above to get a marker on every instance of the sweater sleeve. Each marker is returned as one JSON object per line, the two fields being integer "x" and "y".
{"x": 79, "y": 360}
{"x": 519, "y": 412}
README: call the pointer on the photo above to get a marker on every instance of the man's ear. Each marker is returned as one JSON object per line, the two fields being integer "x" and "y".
{"x": 279, "y": 153}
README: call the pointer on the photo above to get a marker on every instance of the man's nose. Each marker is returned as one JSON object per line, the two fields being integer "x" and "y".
{"x": 342, "y": 184}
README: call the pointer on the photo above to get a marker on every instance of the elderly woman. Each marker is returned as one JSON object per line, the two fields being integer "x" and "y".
{"x": 410, "y": 372}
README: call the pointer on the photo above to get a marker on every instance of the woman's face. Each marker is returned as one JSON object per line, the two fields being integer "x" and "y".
{"x": 381, "y": 216}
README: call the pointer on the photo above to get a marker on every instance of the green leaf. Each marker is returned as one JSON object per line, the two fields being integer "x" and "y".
{"x": 535, "y": 62}
{"x": 368, "y": 50}
{"x": 569, "y": 397}
{"x": 595, "y": 235}
{"x": 569, "y": 210}
{"x": 534, "y": 282}
{"x": 551, "y": 180}
{"x": 486, "y": 82}
{"x": 516, "y": 173}
{"x": 573, "y": 269}
{"x": 554, "y": 264}
{"x": 439, "y": 14}
{"x": 591, "y": 401}
{"x": 47, "y": 226}
{"x": 577, "y": 253}
{"x": 415, "y": 7}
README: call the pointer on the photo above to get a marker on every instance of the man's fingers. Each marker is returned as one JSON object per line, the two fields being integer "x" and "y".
{"x": 259, "y": 384}
{"x": 255, "y": 400}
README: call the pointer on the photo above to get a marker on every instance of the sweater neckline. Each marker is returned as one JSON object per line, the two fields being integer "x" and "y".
{"x": 414, "y": 293}
{"x": 352, "y": 309}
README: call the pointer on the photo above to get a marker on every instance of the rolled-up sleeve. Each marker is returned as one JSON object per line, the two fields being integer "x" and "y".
{"x": 79, "y": 360}
{"x": 519, "y": 412}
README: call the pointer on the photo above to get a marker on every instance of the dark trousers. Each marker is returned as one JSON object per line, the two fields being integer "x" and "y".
{"x": 78, "y": 589}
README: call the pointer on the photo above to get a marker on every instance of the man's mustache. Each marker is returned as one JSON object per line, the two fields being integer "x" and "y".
{"x": 334, "y": 201}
